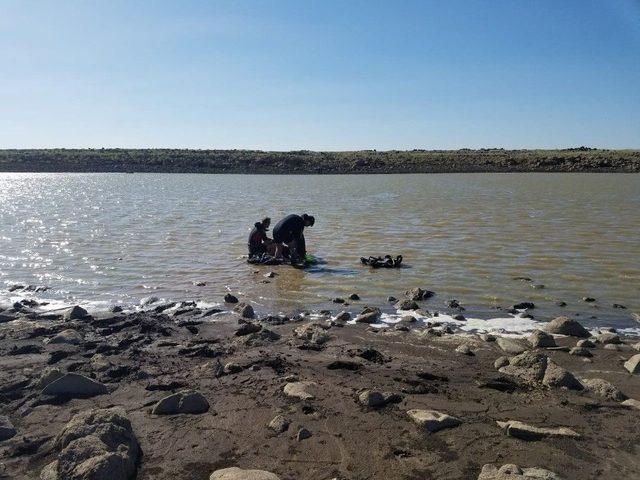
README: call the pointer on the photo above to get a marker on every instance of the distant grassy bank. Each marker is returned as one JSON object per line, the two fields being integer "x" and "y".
{"x": 307, "y": 162}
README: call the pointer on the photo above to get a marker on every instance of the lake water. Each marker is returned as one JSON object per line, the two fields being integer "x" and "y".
{"x": 102, "y": 239}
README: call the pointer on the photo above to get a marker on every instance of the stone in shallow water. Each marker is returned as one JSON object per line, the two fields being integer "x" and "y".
{"x": 432, "y": 420}
{"x": 235, "y": 473}
{"x": 369, "y": 315}
{"x": 244, "y": 310}
{"x": 565, "y": 326}
{"x": 228, "y": 298}
{"x": 521, "y": 430}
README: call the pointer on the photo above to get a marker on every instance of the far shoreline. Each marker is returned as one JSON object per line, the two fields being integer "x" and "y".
{"x": 303, "y": 162}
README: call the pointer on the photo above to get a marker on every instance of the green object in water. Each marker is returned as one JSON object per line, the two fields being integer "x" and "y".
{"x": 309, "y": 258}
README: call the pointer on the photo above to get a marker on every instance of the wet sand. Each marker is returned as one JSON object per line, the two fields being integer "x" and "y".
{"x": 144, "y": 357}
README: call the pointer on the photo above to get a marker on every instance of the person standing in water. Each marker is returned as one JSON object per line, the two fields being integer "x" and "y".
{"x": 258, "y": 242}
{"x": 289, "y": 231}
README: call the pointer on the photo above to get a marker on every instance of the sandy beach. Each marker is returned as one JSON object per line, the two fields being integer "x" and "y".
{"x": 308, "y": 398}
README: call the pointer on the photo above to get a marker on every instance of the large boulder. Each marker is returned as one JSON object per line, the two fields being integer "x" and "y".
{"x": 235, "y": 473}
{"x": 189, "y": 401}
{"x": 74, "y": 385}
{"x": 95, "y": 445}
{"x": 556, "y": 376}
{"x": 432, "y": 420}
{"x": 520, "y": 430}
{"x": 528, "y": 366}
{"x": 513, "y": 472}
{"x": 566, "y": 326}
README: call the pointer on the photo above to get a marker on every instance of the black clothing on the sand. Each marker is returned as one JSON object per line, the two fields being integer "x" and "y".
{"x": 257, "y": 238}
{"x": 288, "y": 229}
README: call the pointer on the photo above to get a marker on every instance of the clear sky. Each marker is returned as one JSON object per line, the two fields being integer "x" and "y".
{"x": 322, "y": 75}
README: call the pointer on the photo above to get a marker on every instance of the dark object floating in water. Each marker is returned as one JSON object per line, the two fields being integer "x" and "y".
{"x": 382, "y": 262}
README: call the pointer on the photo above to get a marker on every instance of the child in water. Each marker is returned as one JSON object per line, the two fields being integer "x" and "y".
{"x": 259, "y": 243}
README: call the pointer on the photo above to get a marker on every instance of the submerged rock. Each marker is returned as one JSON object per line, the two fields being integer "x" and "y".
{"x": 407, "y": 305}
{"x": 235, "y": 473}
{"x": 96, "y": 445}
{"x": 369, "y": 315}
{"x": 521, "y": 430}
{"x": 566, "y": 326}
{"x": 189, "y": 401}
{"x": 432, "y": 420}
{"x": 228, "y": 298}
{"x": 244, "y": 310}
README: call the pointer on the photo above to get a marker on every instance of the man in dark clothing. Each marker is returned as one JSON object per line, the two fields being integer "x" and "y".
{"x": 258, "y": 240}
{"x": 289, "y": 231}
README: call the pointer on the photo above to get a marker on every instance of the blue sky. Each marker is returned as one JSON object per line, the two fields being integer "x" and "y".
{"x": 322, "y": 75}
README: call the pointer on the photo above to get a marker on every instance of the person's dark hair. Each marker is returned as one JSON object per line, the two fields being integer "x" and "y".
{"x": 266, "y": 221}
{"x": 308, "y": 218}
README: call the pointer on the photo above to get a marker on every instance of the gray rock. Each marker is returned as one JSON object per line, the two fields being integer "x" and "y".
{"x": 566, "y": 326}
{"x": 369, "y": 315}
{"x": 631, "y": 403}
{"x": 371, "y": 398}
{"x": 189, "y": 402}
{"x": 407, "y": 305}
{"x": 74, "y": 313}
{"x": 96, "y": 445}
{"x": 432, "y": 420}
{"x": 540, "y": 339}
{"x": 581, "y": 352}
{"x": 343, "y": 317}
{"x": 7, "y": 430}
{"x": 74, "y": 385}
{"x": 303, "y": 434}
{"x": 465, "y": 349}
{"x": 528, "y": 366}
{"x": 279, "y": 424}
{"x": 511, "y": 345}
{"x": 608, "y": 338}
{"x": 556, "y": 376}
{"x": 417, "y": 294}
{"x": 70, "y": 337}
{"x": 301, "y": 390}
{"x": 228, "y": 298}
{"x": 604, "y": 389}
{"x": 633, "y": 364}
{"x": 235, "y": 473}
{"x": 501, "y": 362}
{"x": 513, "y": 472}
{"x": 231, "y": 368}
{"x": 244, "y": 310}
{"x": 520, "y": 430}
{"x": 585, "y": 344}
{"x": 313, "y": 333}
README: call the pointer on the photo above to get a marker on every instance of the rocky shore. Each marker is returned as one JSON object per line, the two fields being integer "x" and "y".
{"x": 178, "y": 392}
{"x": 308, "y": 162}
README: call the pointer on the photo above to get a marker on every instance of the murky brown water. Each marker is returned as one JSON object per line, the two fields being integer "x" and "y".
{"x": 115, "y": 238}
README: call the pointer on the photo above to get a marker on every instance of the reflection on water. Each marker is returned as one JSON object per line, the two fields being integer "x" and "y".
{"x": 119, "y": 237}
